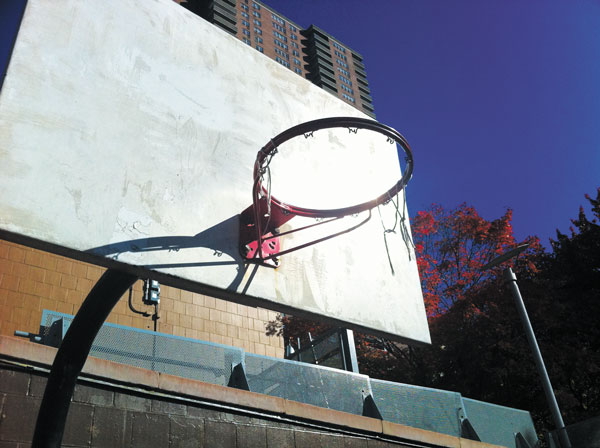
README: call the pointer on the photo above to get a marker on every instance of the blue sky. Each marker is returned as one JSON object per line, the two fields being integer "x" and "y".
{"x": 499, "y": 99}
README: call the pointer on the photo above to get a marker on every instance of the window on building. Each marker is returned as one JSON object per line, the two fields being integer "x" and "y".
{"x": 349, "y": 98}
{"x": 296, "y": 61}
{"x": 258, "y": 31}
{"x": 280, "y": 44}
{"x": 293, "y": 28}
{"x": 339, "y": 47}
{"x": 246, "y": 32}
{"x": 296, "y": 53}
{"x": 244, "y": 7}
{"x": 259, "y": 48}
{"x": 297, "y": 70}
{"x": 244, "y": 14}
{"x": 280, "y": 36}
{"x": 257, "y": 22}
{"x": 282, "y": 62}
{"x": 245, "y": 23}
{"x": 247, "y": 41}
{"x": 293, "y": 36}
{"x": 342, "y": 63}
{"x": 347, "y": 89}
{"x": 346, "y": 80}
{"x": 255, "y": 5}
{"x": 256, "y": 14}
{"x": 281, "y": 53}
{"x": 295, "y": 45}
{"x": 279, "y": 27}
{"x": 340, "y": 55}
{"x": 258, "y": 39}
{"x": 278, "y": 19}
{"x": 344, "y": 72}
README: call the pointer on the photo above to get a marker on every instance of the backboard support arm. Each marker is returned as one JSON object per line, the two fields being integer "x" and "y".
{"x": 266, "y": 248}
{"x": 72, "y": 354}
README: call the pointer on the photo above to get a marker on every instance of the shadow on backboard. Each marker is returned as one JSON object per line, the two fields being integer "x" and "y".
{"x": 221, "y": 238}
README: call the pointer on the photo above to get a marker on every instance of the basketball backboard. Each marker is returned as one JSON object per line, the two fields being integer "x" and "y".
{"x": 128, "y": 135}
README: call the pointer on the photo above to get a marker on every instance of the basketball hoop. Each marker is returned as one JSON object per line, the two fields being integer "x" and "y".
{"x": 259, "y": 223}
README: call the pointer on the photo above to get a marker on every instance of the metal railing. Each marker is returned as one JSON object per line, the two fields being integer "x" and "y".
{"x": 434, "y": 410}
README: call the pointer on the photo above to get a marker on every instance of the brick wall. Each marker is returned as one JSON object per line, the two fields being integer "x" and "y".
{"x": 32, "y": 280}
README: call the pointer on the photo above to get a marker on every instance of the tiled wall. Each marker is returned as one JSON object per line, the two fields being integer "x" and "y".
{"x": 32, "y": 280}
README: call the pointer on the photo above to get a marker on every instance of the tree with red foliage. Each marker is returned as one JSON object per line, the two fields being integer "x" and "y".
{"x": 452, "y": 246}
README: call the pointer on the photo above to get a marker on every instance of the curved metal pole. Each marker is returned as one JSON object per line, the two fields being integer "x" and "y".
{"x": 72, "y": 354}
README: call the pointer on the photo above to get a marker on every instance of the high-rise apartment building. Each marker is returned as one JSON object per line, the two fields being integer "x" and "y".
{"x": 311, "y": 52}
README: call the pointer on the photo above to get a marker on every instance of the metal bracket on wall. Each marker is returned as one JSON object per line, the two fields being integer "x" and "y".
{"x": 238, "y": 377}
{"x": 520, "y": 441}
{"x": 370, "y": 408}
{"x": 467, "y": 431}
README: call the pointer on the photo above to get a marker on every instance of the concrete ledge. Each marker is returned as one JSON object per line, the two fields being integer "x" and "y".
{"x": 420, "y": 435}
{"x": 24, "y": 350}
{"x": 27, "y": 352}
{"x": 108, "y": 370}
{"x": 223, "y": 394}
{"x": 466, "y": 443}
{"x": 323, "y": 415}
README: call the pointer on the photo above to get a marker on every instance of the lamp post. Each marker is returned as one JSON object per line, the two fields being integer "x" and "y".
{"x": 511, "y": 279}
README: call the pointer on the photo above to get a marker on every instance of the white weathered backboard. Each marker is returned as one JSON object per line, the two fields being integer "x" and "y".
{"x": 128, "y": 134}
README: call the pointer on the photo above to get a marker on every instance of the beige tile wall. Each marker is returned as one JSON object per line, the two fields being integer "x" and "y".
{"x": 32, "y": 280}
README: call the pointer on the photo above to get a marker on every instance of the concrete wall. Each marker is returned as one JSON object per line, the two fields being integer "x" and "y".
{"x": 32, "y": 280}
{"x": 105, "y": 417}
{"x": 108, "y": 417}
{"x": 116, "y": 405}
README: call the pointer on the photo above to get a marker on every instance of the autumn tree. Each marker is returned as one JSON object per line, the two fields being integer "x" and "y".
{"x": 452, "y": 246}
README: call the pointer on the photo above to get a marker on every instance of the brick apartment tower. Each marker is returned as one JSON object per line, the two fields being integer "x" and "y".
{"x": 311, "y": 53}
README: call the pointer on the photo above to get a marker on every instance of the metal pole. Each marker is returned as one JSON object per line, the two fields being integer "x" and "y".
{"x": 349, "y": 350}
{"x": 511, "y": 278}
{"x": 72, "y": 354}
